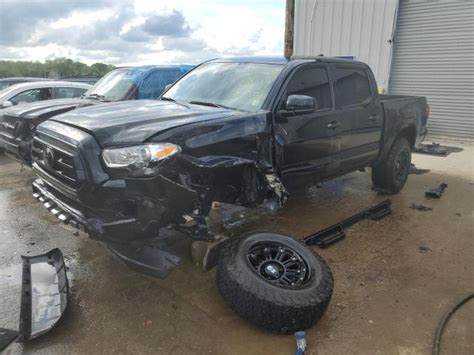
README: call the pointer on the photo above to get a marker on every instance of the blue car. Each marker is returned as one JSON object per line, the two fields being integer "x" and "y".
{"x": 18, "y": 123}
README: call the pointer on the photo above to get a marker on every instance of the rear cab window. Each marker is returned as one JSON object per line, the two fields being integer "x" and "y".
{"x": 314, "y": 82}
{"x": 155, "y": 83}
{"x": 68, "y": 92}
{"x": 352, "y": 86}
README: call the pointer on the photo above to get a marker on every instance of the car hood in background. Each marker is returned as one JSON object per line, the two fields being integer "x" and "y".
{"x": 47, "y": 108}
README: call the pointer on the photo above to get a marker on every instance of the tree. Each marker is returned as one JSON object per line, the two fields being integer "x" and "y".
{"x": 54, "y": 68}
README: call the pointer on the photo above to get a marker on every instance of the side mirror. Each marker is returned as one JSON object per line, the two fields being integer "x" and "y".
{"x": 6, "y": 104}
{"x": 300, "y": 104}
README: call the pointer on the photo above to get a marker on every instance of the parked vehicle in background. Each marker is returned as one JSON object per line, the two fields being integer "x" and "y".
{"x": 40, "y": 91}
{"x": 235, "y": 131}
{"x": 6, "y": 82}
{"x": 87, "y": 79}
{"x": 129, "y": 83}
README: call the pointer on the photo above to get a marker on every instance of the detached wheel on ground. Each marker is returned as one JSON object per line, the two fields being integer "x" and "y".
{"x": 274, "y": 282}
{"x": 391, "y": 174}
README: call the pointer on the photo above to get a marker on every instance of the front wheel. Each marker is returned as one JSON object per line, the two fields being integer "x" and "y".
{"x": 391, "y": 174}
{"x": 274, "y": 282}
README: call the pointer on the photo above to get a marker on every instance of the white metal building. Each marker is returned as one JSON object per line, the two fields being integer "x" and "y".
{"x": 414, "y": 48}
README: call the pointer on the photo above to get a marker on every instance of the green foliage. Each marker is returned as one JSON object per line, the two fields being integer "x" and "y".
{"x": 52, "y": 68}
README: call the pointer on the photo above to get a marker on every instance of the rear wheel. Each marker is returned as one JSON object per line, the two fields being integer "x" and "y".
{"x": 274, "y": 282}
{"x": 391, "y": 174}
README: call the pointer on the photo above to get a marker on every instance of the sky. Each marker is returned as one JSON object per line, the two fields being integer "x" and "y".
{"x": 135, "y": 32}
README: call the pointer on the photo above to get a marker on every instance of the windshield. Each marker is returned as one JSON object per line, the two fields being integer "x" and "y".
{"x": 240, "y": 86}
{"x": 114, "y": 86}
{"x": 4, "y": 84}
{"x": 5, "y": 93}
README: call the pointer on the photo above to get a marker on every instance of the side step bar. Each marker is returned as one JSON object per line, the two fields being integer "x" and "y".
{"x": 336, "y": 233}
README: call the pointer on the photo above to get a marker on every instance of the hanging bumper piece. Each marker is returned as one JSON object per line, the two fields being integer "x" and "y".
{"x": 44, "y": 293}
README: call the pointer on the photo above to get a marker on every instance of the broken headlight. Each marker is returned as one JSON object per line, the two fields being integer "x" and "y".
{"x": 139, "y": 159}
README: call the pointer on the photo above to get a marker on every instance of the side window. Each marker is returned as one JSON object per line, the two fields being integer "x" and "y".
{"x": 352, "y": 86}
{"x": 155, "y": 83}
{"x": 63, "y": 93}
{"x": 312, "y": 82}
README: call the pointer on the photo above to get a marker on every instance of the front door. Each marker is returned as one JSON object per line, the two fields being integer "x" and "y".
{"x": 308, "y": 141}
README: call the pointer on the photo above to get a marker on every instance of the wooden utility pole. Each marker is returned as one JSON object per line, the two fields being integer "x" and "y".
{"x": 289, "y": 27}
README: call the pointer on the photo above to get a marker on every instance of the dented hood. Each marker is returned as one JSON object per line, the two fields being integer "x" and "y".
{"x": 47, "y": 108}
{"x": 133, "y": 122}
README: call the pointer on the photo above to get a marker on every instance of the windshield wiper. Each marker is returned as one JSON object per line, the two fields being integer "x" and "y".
{"x": 211, "y": 104}
{"x": 165, "y": 98}
{"x": 96, "y": 96}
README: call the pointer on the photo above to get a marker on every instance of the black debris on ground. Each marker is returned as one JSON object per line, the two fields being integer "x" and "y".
{"x": 436, "y": 192}
{"x": 423, "y": 249}
{"x": 420, "y": 207}
{"x": 436, "y": 149}
{"x": 415, "y": 171}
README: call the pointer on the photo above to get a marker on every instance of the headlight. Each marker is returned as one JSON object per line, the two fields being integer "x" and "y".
{"x": 140, "y": 157}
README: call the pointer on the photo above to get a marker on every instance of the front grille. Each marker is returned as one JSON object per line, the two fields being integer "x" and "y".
{"x": 8, "y": 124}
{"x": 62, "y": 164}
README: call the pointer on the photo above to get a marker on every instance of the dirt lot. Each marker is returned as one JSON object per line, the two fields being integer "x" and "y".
{"x": 394, "y": 278}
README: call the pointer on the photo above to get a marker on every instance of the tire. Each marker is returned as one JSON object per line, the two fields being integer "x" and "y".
{"x": 264, "y": 303}
{"x": 391, "y": 174}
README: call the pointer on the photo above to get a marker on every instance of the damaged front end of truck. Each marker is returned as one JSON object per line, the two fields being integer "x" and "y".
{"x": 124, "y": 194}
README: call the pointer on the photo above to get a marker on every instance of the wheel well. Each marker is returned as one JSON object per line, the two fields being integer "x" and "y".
{"x": 410, "y": 134}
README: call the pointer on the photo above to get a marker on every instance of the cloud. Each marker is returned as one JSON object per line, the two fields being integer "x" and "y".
{"x": 19, "y": 19}
{"x": 166, "y": 25}
{"x": 184, "y": 44}
{"x": 171, "y": 25}
{"x": 139, "y": 32}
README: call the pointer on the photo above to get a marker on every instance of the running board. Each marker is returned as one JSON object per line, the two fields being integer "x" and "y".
{"x": 336, "y": 233}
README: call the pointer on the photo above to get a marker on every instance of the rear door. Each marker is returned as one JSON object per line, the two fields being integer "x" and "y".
{"x": 360, "y": 115}
{"x": 309, "y": 141}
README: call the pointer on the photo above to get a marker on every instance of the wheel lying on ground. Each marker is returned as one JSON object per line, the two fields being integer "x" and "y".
{"x": 274, "y": 282}
{"x": 391, "y": 174}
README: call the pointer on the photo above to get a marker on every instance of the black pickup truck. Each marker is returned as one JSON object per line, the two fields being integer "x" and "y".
{"x": 234, "y": 131}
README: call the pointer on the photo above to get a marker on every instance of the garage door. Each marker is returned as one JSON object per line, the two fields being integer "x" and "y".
{"x": 433, "y": 56}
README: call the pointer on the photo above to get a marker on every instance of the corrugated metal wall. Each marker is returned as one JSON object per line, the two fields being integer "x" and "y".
{"x": 361, "y": 28}
{"x": 434, "y": 57}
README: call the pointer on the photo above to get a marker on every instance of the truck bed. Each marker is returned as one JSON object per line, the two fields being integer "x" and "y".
{"x": 401, "y": 111}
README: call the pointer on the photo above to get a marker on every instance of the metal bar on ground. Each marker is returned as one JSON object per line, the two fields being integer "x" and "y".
{"x": 335, "y": 233}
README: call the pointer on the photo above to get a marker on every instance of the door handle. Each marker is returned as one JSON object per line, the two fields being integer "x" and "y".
{"x": 373, "y": 118}
{"x": 333, "y": 125}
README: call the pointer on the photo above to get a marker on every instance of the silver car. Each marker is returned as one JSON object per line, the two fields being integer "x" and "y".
{"x": 39, "y": 91}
